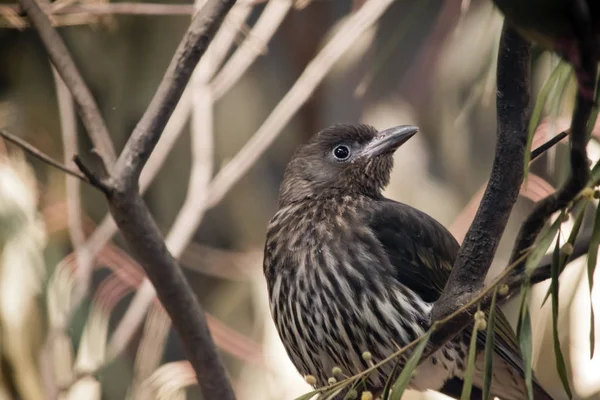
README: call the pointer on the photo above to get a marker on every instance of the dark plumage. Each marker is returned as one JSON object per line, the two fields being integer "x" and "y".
{"x": 569, "y": 27}
{"x": 350, "y": 271}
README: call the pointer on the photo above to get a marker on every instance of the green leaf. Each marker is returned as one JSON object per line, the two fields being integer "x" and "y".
{"x": 489, "y": 349}
{"x": 309, "y": 395}
{"x": 560, "y": 360}
{"x": 593, "y": 115}
{"x": 331, "y": 393}
{"x": 591, "y": 268}
{"x": 539, "y": 107}
{"x": 595, "y": 174}
{"x": 468, "y": 377}
{"x": 525, "y": 339}
{"x": 542, "y": 246}
{"x": 410, "y": 366}
{"x": 388, "y": 383}
{"x": 564, "y": 258}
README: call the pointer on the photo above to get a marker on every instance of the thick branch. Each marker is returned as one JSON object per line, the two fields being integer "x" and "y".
{"x": 63, "y": 62}
{"x": 479, "y": 247}
{"x": 148, "y": 130}
{"x": 125, "y": 203}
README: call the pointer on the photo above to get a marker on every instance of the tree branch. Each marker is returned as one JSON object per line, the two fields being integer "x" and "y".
{"x": 121, "y": 187}
{"x": 577, "y": 180}
{"x": 41, "y": 155}
{"x": 513, "y": 109}
{"x": 62, "y": 60}
{"x": 148, "y": 130}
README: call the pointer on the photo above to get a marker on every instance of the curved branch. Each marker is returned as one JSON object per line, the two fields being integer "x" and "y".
{"x": 479, "y": 247}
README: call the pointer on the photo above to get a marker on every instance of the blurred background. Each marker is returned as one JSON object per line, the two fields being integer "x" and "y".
{"x": 77, "y": 318}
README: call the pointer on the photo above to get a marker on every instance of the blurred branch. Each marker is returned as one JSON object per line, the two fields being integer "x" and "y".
{"x": 62, "y": 60}
{"x": 344, "y": 38}
{"x": 68, "y": 123}
{"x": 124, "y": 8}
{"x": 251, "y": 48}
{"x": 121, "y": 188}
{"x": 42, "y": 156}
{"x": 192, "y": 210}
{"x": 477, "y": 251}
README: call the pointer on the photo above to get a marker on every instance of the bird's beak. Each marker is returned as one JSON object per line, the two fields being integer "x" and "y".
{"x": 389, "y": 140}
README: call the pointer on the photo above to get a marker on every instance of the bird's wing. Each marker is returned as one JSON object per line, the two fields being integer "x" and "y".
{"x": 423, "y": 252}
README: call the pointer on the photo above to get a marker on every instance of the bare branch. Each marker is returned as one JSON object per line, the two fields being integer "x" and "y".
{"x": 68, "y": 123}
{"x": 41, "y": 155}
{"x": 135, "y": 221}
{"x": 148, "y": 130}
{"x": 513, "y": 107}
{"x": 192, "y": 210}
{"x": 126, "y": 205}
{"x": 63, "y": 62}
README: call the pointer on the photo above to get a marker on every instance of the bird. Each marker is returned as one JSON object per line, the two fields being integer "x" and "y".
{"x": 570, "y": 28}
{"x": 350, "y": 271}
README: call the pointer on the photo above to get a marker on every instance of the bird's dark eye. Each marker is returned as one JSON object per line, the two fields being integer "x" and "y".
{"x": 341, "y": 152}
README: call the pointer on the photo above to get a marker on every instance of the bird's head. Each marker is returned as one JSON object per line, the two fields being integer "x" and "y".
{"x": 343, "y": 159}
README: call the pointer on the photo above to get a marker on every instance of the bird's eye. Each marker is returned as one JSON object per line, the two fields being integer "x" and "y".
{"x": 341, "y": 152}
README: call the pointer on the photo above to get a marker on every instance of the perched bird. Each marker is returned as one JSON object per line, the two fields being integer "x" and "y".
{"x": 571, "y": 28}
{"x": 350, "y": 271}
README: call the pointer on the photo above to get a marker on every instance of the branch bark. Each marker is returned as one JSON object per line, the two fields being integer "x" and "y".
{"x": 513, "y": 111}
{"x": 63, "y": 62}
{"x": 121, "y": 186}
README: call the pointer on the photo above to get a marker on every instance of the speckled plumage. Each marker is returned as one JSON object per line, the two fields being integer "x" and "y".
{"x": 350, "y": 271}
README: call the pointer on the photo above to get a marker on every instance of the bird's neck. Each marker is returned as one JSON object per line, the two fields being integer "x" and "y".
{"x": 311, "y": 194}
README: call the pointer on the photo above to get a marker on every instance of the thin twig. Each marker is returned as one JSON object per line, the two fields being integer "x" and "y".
{"x": 91, "y": 176}
{"x": 63, "y": 62}
{"x": 479, "y": 247}
{"x": 41, "y": 155}
{"x": 125, "y": 8}
{"x": 546, "y": 146}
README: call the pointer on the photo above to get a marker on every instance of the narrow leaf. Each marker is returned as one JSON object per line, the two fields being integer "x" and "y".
{"x": 388, "y": 383}
{"x": 468, "y": 377}
{"x": 564, "y": 258}
{"x": 489, "y": 349}
{"x": 595, "y": 174}
{"x": 539, "y": 107}
{"x": 560, "y": 360}
{"x": 591, "y": 268}
{"x": 407, "y": 372}
{"x": 309, "y": 395}
{"x": 331, "y": 394}
{"x": 594, "y": 115}
{"x": 525, "y": 339}
{"x": 542, "y": 246}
